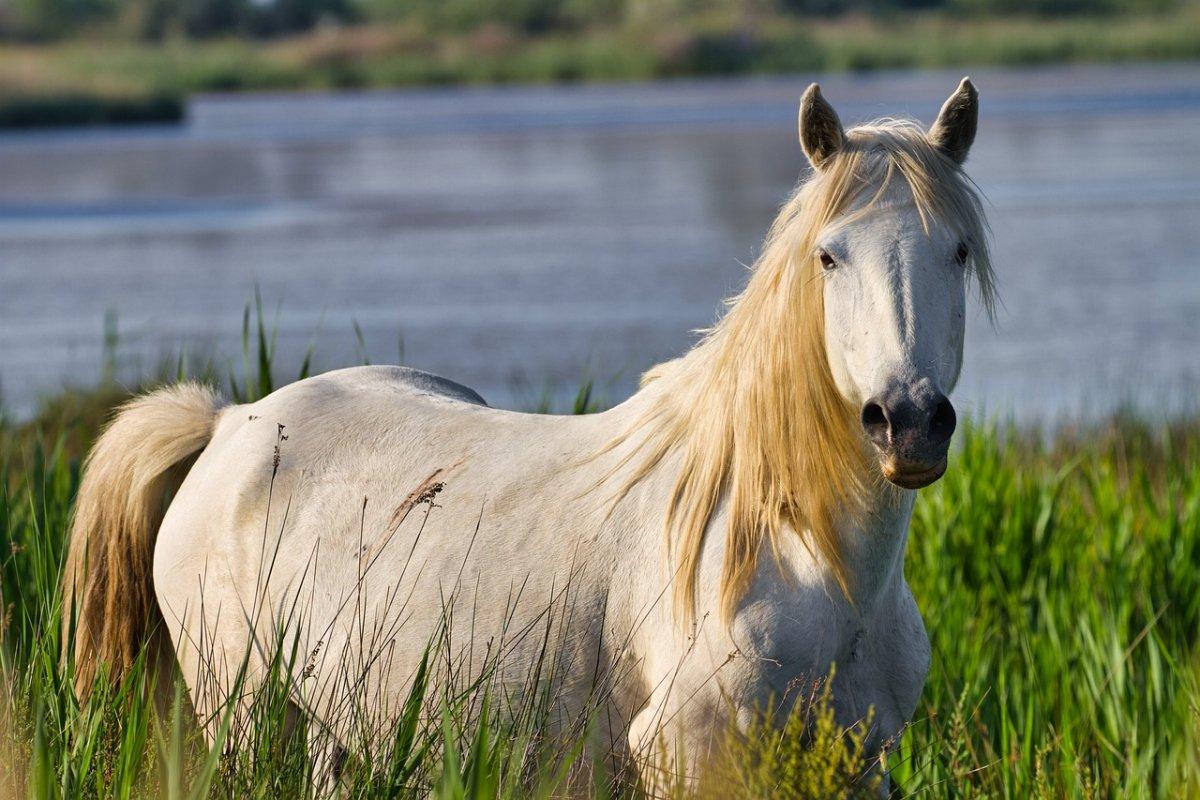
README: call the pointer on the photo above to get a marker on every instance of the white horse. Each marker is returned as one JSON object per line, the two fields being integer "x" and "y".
{"x": 381, "y": 505}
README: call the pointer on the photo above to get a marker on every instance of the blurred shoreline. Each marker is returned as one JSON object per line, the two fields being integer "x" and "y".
{"x": 100, "y": 79}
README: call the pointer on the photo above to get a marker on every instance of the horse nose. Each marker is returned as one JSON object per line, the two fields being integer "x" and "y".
{"x": 942, "y": 420}
{"x": 877, "y": 422}
{"x": 891, "y": 421}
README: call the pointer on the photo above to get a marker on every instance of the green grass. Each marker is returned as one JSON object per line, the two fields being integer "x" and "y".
{"x": 111, "y": 79}
{"x": 1058, "y": 575}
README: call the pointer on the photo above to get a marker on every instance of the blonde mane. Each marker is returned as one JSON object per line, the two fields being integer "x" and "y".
{"x": 753, "y": 411}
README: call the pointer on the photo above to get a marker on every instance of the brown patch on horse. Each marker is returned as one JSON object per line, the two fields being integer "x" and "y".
{"x": 424, "y": 494}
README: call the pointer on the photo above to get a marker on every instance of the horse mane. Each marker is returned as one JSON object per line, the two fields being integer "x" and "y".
{"x": 752, "y": 410}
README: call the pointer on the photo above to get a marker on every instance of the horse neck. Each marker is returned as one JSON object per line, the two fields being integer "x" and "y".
{"x": 874, "y": 548}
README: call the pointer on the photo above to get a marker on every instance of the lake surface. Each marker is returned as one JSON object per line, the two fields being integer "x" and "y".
{"x": 518, "y": 239}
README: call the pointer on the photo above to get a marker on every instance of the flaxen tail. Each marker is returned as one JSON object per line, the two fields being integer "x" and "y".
{"x": 109, "y": 606}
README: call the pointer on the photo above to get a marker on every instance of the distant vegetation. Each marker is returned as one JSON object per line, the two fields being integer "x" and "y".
{"x": 1059, "y": 579}
{"x": 155, "y": 20}
{"x": 115, "y": 60}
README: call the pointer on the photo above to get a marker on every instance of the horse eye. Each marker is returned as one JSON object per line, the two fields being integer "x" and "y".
{"x": 827, "y": 262}
{"x": 962, "y": 254}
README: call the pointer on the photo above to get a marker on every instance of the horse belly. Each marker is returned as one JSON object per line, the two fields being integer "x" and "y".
{"x": 363, "y": 558}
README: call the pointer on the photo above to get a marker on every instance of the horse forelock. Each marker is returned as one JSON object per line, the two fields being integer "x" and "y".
{"x": 753, "y": 411}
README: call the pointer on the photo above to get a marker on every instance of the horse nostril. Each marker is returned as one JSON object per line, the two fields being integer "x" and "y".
{"x": 875, "y": 422}
{"x": 942, "y": 422}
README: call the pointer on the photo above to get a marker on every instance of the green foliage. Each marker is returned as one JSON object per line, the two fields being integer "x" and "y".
{"x": 1060, "y": 585}
{"x": 154, "y": 19}
{"x": 526, "y": 15}
{"x": 142, "y": 63}
{"x": 807, "y": 755}
{"x": 43, "y": 19}
{"x": 1058, "y": 576}
{"x": 536, "y": 16}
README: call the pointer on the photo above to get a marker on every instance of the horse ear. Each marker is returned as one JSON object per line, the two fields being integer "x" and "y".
{"x": 954, "y": 130}
{"x": 821, "y": 133}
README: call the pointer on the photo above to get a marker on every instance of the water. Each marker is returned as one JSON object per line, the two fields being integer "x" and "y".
{"x": 518, "y": 239}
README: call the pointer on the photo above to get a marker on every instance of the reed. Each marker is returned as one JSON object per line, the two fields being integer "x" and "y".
{"x": 1058, "y": 574}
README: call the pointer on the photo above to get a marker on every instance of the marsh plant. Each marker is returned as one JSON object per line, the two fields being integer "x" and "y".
{"x": 1058, "y": 572}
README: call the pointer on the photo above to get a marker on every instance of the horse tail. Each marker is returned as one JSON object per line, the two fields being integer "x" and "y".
{"x": 109, "y": 608}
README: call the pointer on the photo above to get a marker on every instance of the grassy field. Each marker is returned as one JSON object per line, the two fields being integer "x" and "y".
{"x": 91, "y": 80}
{"x": 1059, "y": 577}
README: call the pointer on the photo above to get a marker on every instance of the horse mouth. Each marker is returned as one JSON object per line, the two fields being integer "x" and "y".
{"x": 912, "y": 476}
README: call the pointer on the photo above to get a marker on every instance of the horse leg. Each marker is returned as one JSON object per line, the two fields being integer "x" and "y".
{"x": 668, "y": 742}
{"x": 326, "y": 758}
{"x": 221, "y": 657}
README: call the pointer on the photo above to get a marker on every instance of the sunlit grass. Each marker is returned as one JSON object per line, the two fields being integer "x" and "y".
{"x": 1058, "y": 575}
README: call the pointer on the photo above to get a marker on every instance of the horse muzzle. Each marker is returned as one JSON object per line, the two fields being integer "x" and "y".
{"x": 910, "y": 428}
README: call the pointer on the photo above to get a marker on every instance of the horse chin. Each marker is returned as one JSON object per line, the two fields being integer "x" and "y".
{"x": 909, "y": 475}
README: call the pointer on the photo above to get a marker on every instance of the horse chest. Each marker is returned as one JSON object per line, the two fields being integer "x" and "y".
{"x": 886, "y": 668}
{"x": 878, "y": 663}
{"x": 883, "y": 674}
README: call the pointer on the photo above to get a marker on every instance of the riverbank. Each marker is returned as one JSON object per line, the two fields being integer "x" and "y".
{"x": 93, "y": 81}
